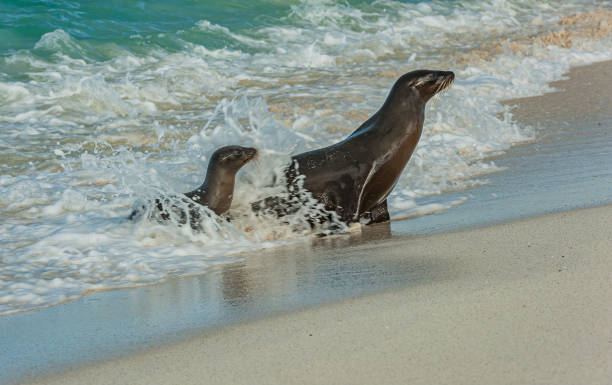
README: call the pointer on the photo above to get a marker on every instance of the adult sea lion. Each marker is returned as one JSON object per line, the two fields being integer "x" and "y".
{"x": 355, "y": 176}
{"x": 216, "y": 192}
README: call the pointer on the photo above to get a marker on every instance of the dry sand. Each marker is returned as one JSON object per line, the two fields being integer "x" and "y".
{"x": 526, "y": 302}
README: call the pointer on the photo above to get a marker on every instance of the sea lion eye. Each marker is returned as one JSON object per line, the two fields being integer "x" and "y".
{"x": 428, "y": 79}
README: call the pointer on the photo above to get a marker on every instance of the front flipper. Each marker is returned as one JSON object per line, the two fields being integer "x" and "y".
{"x": 377, "y": 214}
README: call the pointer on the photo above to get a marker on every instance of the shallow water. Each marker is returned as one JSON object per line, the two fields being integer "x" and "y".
{"x": 335, "y": 268}
{"x": 103, "y": 105}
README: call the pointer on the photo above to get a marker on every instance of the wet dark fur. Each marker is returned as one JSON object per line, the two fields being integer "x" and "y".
{"x": 216, "y": 192}
{"x": 355, "y": 176}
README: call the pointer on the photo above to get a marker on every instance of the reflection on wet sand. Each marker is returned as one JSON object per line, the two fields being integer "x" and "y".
{"x": 257, "y": 285}
{"x": 279, "y": 272}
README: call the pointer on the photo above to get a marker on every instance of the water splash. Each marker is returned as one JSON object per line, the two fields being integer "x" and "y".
{"x": 89, "y": 126}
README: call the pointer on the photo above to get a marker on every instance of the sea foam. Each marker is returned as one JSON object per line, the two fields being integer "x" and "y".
{"x": 88, "y": 129}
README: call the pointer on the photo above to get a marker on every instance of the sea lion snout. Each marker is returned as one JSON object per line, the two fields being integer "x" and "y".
{"x": 427, "y": 82}
{"x": 446, "y": 78}
{"x": 435, "y": 82}
{"x": 247, "y": 154}
{"x": 250, "y": 153}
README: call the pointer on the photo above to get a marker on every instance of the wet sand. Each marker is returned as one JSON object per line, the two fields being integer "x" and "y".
{"x": 525, "y": 302}
{"x": 521, "y": 302}
{"x": 585, "y": 95}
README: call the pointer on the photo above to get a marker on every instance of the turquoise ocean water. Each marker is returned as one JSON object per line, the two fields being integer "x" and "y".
{"x": 106, "y": 103}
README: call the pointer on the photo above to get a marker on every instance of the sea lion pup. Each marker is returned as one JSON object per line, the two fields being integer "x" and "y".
{"x": 216, "y": 192}
{"x": 355, "y": 176}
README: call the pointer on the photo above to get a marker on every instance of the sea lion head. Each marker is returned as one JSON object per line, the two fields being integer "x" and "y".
{"x": 232, "y": 158}
{"x": 426, "y": 82}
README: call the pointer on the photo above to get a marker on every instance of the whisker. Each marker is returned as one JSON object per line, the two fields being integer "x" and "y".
{"x": 225, "y": 157}
{"x": 445, "y": 85}
{"x": 441, "y": 88}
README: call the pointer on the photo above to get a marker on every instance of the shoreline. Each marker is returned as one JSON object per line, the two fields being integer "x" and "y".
{"x": 251, "y": 300}
{"x": 521, "y": 302}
